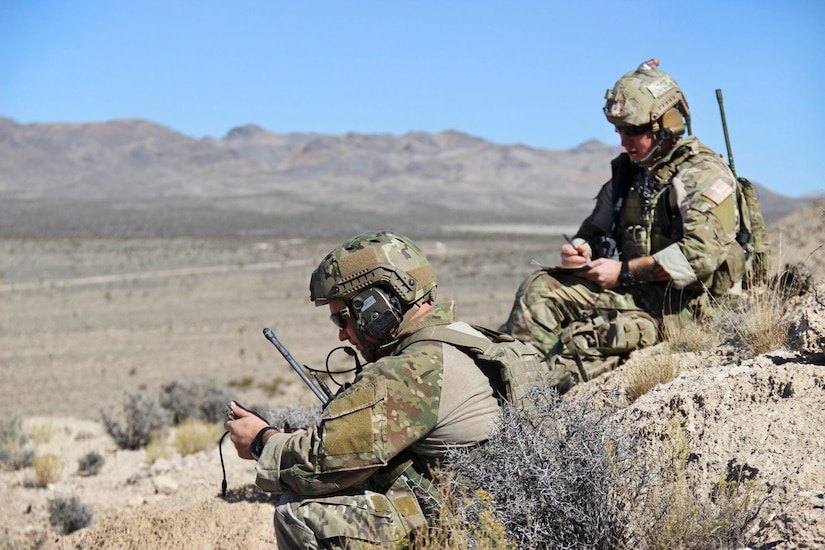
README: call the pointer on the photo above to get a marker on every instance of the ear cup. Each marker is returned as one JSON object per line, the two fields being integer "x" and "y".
{"x": 376, "y": 311}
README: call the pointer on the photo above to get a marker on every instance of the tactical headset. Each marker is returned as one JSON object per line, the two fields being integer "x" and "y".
{"x": 376, "y": 311}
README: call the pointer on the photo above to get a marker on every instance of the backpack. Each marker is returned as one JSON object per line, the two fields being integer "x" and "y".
{"x": 512, "y": 367}
{"x": 598, "y": 343}
{"x": 752, "y": 234}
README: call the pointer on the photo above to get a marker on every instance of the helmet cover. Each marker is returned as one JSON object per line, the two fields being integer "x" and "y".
{"x": 381, "y": 258}
{"x": 644, "y": 96}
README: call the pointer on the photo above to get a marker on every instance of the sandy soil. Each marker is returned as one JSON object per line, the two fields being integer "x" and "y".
{"x": 82, "y": 321}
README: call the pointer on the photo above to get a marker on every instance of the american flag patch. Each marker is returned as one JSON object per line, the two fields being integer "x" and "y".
{"x": 717, "y": 191}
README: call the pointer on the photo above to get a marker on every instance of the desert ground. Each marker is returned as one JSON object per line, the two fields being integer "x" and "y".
{"x": 84, "y": 320}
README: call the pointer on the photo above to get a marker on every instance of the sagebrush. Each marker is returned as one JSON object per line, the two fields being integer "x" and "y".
{"x": 67, "y": 515}
{"x": 16, "y": 449}
{"x": 143, "y": 414}
{"x": 554, "y": 475}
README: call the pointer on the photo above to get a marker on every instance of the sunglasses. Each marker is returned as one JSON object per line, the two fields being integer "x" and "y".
{"x": 633, "y": 131}
{"x": 339, "y": 318}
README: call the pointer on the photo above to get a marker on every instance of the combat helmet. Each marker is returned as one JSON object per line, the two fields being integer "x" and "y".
{"x": 379, "y": 276}
{"x": 648, "y": 96}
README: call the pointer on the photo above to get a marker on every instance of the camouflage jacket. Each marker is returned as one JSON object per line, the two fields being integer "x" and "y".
{"x": 420, "y": 399}
{"x": 682, "y": 211}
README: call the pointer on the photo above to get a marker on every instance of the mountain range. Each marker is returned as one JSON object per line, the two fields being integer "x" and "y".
{"x": 135, "y": 177}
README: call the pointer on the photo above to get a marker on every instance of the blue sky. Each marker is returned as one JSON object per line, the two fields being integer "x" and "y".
{"x": 511, "y": 72}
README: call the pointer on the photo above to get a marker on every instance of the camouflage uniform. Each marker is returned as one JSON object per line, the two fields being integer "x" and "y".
{"x": 342, "y": 481}
{"x": 682, "y": 211}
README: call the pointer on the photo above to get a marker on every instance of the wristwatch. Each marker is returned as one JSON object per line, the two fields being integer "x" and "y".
{"x": 257, "y": 445}
{"x": 626, "y": 277}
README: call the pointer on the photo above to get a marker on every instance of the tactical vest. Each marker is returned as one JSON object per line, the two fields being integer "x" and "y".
{"x": 511, "y": 366}
{"x": 649, "y": 219}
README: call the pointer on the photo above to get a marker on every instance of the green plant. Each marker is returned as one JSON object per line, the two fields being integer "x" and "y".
{"x": 245, "y": 382}
{"x": 275, "y": 387}
{"x": 69, "y": 515}
{"x": 41, "y": 432}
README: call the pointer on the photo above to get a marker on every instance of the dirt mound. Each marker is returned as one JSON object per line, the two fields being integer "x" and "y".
{"x": 762, "y": 418}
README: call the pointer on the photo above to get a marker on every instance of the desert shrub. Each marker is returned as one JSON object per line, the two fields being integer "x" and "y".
{"x": 41, "y": 432}
{"x": 142, "y": 415}
{"x": 196, "y": 400}
{"x": 701, "y": 335}
{"x": 158, "y": 447}
{"x": 47, "y": 469}
{"x": 296, "y": 416}
{"x": 676, "y": 511}
{"x": 8, "y": 544}
{"x": 16, "y": 450}
{"x": 554, "y": 475}
{"x": 463, "y": 522}
{"x": 193, "y": 436}
{"x": 90, "y": 463}
{"x": 68, "y": 515}
{"x": 760, "y": 323}
{"x": 646, "y": 372}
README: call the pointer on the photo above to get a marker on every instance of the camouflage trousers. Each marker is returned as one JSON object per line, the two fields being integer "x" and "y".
{"x": 353, "y": 519}
{"x": 582, "y": 330}
{"x": 547, "y": 302}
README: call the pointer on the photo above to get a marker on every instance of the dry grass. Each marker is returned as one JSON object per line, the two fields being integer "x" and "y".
{"x": 648, "y": 371}
{"x": 189, "y": 437}
{"x": 463, "y": 521}
{"x": 760, "y": 322}
{"x": 47, "y": 469}
{"x": 675, "y": 511}
{"x": 158, "y": 447}
{"x": 193, "y": 436}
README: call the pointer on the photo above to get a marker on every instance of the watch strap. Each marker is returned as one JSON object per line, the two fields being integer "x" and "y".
{"x": 257, "y": 445}
{"x": 626, "y": 277}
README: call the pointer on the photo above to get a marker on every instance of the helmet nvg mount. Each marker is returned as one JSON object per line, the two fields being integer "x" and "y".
{"x": 648, "y": 96}
{"x": 378, "y": 275}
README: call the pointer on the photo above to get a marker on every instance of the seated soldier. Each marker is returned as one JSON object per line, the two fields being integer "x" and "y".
{"x": 363, "y": 477}
{"x": 661, "y": 239}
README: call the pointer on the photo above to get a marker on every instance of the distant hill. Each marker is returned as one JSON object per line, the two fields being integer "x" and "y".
{"x": 133, "y": 177}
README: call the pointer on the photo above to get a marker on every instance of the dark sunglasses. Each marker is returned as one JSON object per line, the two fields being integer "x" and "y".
{"x": 633, "y": 131}
{"x": 339, "y": 319}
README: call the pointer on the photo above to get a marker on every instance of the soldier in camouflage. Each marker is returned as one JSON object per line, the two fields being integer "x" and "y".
{"x": 660, "y": 241}
{"x": 363, "y": 477}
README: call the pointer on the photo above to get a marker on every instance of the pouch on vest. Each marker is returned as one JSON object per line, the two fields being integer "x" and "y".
{"x": 597, "y": 344}
{"x": 512, "y": 366}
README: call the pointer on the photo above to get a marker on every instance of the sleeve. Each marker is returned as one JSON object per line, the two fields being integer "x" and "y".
{"x": 597, "y": 224}
{"x": 706, "y": 196}
{"x": 391, "y": 406}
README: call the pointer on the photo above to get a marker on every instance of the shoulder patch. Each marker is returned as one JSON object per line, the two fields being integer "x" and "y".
{"x": 717, "y": 191}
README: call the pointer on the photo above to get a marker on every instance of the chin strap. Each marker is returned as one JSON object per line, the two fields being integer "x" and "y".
{"x": 647, "y": 157}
